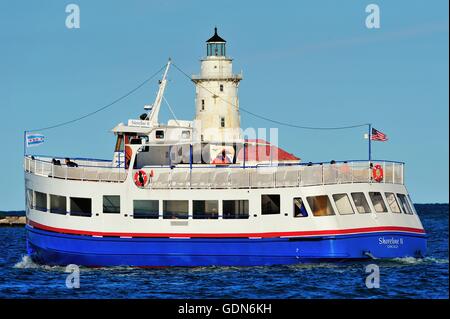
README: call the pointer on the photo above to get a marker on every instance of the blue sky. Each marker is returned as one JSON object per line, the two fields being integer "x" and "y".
{"x": 304, "y": 62}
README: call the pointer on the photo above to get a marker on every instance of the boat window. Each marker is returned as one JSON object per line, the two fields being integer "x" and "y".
{"x": 361, "y": 203}
{"x": 135, "y": 141}
{"x": 405, "y": 205}
{"x": 58, "y": 204}
{"x": 119, "y": 143}
{"x": 111, "y": 204}
{"x": 343, "y": 204}
{"x": 80, "y": 206}
{"x": 41, "y": 201}
{"x": 145, "y": 209}
{"x": 299, "y": 208}
{"x": 159, "y": 134}
{"x": 411, "y": 204}
{"x": 30, "y": 197}
{"x": 235, "y": 209}
{"x": 175, "y": 209}
{"x": 270, "y": 204}
{"x": 320, "y": 205}
{"x": 186, "y": 134}
{"x": 205, "y": 209}
{"x": 392, "y": 202}
{"x": 378, "y": 202}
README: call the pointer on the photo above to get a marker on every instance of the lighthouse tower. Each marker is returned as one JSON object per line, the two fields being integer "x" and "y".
{"x": 216, "y": 95}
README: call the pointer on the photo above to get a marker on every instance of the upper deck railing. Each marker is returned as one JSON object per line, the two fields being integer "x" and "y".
{"x": 87, "y": 170}
{"x": 223, "y": 177}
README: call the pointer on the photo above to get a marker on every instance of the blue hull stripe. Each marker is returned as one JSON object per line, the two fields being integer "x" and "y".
{"x": 61, "y": 249}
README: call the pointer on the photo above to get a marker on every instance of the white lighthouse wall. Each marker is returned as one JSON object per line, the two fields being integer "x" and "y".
{"x": 213, "y": 105}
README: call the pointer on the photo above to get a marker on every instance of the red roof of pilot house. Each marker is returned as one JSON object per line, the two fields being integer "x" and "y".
{"x": 259, "y": 150}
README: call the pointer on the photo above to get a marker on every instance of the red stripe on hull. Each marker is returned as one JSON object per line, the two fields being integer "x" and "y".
{"x": 236, "y": 235}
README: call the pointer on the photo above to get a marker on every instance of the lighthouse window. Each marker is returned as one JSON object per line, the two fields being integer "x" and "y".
{"x": 378, "y": 202}
{"x": 320, "y": 205}
{"x": 203, "y": 105}
{"x": 343, "y": 204}
{"x": 175, "y": 209}
{"x": 111, "y": 204}
{"x": 392, "y": 202}
{"x": 299, "y": 208}
{"x": 58, "y": 204}
{"x": 80, "y": 206}
{"x": 205, "y": 209}
{"x": 361, "y": 203}
{"x": 221, "y": 88}
{"x": 235, "y": 209}
{"x": 145, "y": 209}
{"x": 159, "y": 134}
{"x": 222, "y": 122}
{"x": 41, "y": 201}
{"x": 270, "y": 204}
{"x": 404, "y": 202}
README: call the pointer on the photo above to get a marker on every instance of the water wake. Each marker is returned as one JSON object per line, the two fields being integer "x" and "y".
{"x": 416, "y": 261}
{"x": 26, "y": 263}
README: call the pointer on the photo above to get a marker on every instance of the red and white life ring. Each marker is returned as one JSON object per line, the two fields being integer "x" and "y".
{"x": 377, "y": 173}
{"x": 140, "y": 178}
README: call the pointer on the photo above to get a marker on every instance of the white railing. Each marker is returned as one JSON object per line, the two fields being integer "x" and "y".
{"x": 216, "y": 177}
{"x": 87, "y": 170}
{"x": 271, "y": 176}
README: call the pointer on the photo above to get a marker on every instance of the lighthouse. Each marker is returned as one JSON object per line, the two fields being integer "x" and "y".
{"x": 216, "y": 95}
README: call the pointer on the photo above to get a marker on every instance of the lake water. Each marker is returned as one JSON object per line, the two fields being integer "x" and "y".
{"x": 399, "y": 278}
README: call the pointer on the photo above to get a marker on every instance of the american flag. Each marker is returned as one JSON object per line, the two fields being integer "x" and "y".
{"x": 378, "y": 136}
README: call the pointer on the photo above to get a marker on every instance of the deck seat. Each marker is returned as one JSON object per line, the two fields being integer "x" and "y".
{"x": 239, "y": 178}
{"x": 220, "y": 179}
{"x": 179, "y": 179}
{"x": 200, "y": 178}
{"x": 263, "y": 177}
{"x": 161, "y": 179}
{"x": 287, "y": 176}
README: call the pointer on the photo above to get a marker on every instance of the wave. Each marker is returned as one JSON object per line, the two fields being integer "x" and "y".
{"x": 415, "y": 261}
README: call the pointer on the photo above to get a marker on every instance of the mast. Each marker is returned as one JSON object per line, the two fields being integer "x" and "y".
{"x": 154, "y": 111}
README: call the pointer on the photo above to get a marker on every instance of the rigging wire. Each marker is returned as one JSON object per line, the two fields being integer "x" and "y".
{"x": 103, "y": 107}
{"x": 272, "y": 120}
{"x": 170, "y": 109}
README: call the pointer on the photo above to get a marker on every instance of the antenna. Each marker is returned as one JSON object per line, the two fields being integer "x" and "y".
{"x": 154, "y": 109}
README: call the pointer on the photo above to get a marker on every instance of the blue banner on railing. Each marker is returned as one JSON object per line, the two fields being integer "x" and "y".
{"x": 34, "y": 139}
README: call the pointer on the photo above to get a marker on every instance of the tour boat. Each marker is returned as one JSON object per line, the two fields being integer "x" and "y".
{"x": 199, "y": 193}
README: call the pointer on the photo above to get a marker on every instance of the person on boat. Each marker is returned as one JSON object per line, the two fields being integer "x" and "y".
{"x": 56, "y": 162}
{"x": 69, "y": 163}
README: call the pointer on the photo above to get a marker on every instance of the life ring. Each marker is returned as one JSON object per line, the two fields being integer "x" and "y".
{"x": 140, "y": 178}
{"x": 377, "y": 173}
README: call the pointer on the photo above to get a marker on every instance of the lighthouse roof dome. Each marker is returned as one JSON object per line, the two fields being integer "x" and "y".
{"x": 215, "y": 37}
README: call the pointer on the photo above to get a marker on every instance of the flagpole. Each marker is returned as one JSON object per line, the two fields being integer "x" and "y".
{"x": 370, "y": 142}
{"x": 24, "y": 143}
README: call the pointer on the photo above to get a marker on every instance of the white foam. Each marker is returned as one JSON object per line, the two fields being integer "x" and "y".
{"x": 415, "y": 261}
{"x": 26, "y": 263}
